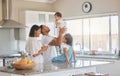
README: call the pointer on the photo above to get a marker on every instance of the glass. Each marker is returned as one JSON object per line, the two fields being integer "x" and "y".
{"x": 74, "y": 27}
{"x": 100, "y": 33}
{"x": 97, "y": 34}
{"x": 114, "y": 33}
{"x": 86, "y": 34}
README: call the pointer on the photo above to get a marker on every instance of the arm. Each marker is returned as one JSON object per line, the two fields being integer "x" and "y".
{"x": 44, "y": 48}
{"x": 66, "y": 55}
{"x": 74, "y": 54}
{"x": 57, "y": 41}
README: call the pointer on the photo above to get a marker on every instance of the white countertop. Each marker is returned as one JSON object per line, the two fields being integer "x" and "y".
{"x": 55, "y": 67}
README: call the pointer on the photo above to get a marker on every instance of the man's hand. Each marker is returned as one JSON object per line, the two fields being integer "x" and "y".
{"x": 62, "y": 30}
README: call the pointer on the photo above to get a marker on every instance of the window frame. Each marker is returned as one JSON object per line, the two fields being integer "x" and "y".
{"x": 95, "y": 16}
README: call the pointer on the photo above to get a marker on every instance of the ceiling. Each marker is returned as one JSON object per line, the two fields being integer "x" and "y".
{"x": 44, "y": 1}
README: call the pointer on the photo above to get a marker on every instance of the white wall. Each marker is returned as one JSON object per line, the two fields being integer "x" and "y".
{"x": 8, "y": 43}
{"x": 74, "y": 7}
{"x": 0, "y": 10}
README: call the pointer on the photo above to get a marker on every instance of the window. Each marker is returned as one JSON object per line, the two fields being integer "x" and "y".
{"x": 75, "y": 28}
{"x": 98, "y": 33}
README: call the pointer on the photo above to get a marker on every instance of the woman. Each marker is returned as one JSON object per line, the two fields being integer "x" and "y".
{"x": 33, "y": 45}
{"x": 68, "y": 54}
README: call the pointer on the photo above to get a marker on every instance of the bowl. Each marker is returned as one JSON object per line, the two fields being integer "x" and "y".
{"x": 23, "y": 66}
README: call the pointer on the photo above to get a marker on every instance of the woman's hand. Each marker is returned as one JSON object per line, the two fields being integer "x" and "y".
{"x": 44, "y": 48}
{"x": 34, "y": 55}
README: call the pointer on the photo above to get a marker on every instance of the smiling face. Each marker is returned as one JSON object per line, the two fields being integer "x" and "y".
{"x": 57, "y": 17}
{"x": 45, "y": 30}
{"x": 64, "y": 40}
{"x": 37, "y": 33}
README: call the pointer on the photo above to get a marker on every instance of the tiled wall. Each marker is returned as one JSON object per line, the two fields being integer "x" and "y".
{"x": 8, "y": 44}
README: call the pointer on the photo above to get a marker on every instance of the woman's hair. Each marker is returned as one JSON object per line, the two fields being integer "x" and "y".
{"x": 69, "y": 39}
{"x": 33, "y": 29}
{"x": 41, "y": 27}
{"x": 58, "y": 14}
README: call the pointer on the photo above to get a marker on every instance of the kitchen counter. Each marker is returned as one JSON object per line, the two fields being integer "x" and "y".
{"x": 99, "y": 56}
{"x": 55, "y": 67}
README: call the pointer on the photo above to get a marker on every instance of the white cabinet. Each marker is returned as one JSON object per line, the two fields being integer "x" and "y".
{"x": 38, "y": 17}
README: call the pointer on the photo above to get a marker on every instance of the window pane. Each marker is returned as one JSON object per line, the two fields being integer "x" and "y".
{"x": 114, "y": 32}
{"x": 86, "y": 34}
{"x": 97, "y": 33}
{"x": 100, "y": 33}
{"x": 74, "y": 27}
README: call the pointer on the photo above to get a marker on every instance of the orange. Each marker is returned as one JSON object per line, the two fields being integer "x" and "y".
{"x": 29, "y": 62}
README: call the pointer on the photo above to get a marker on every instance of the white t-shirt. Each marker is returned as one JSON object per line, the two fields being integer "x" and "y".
{"x": 33, "y": 45}
{"x": 57, "y": 29}
{"x": 50, "y": 52}
{"x": 64, "y": 45}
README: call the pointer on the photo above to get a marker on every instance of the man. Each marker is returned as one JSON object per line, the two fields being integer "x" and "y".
{"x": 50, "y": 41}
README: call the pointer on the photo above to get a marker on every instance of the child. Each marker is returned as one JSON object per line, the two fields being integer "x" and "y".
{"x": 68, "y": 54}
{"x": 59, "y": 23}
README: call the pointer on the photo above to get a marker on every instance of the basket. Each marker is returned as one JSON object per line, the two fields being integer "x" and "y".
{"x": 23, "y": 66}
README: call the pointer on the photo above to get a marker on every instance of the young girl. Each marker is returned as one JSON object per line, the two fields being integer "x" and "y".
{"x": 68, "y": 54}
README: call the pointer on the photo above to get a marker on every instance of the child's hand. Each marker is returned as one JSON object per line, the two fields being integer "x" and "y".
{"x": 67, "y": 62}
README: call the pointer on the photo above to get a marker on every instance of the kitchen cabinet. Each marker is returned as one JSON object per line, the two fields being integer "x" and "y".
{"x": 39, "y": 18}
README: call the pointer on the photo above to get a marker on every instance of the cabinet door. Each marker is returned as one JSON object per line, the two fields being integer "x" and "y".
{"x": 51, "y": 18}
{"x": 42, "y": 18}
